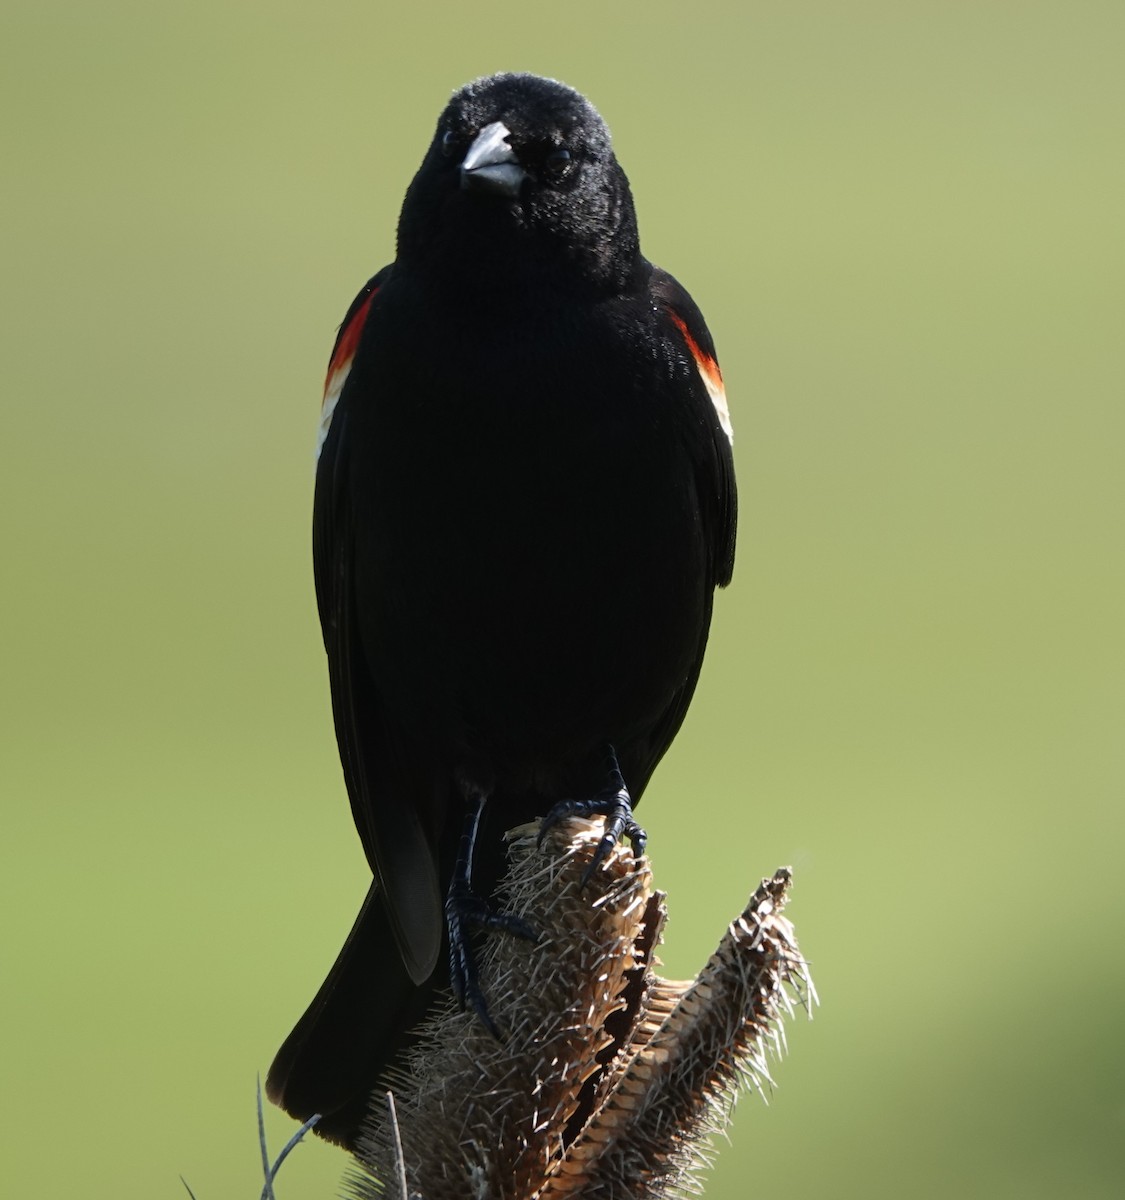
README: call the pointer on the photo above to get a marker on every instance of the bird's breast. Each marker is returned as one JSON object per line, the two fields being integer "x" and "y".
{"x": 529, "y": 555}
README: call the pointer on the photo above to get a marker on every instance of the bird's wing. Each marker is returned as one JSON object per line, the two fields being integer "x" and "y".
{"x": 699, "y": 401}
{"x": 385, "y": 814}
{"x": 706, "y": 418}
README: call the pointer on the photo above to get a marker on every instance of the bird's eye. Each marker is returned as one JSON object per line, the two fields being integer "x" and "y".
{"x": 449, "y": 142}
{"x": 558, "y": 162}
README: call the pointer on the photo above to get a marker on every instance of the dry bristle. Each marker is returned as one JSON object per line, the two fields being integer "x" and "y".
{"x": 679, "y": 1089}
{"x": 608, "y": 1080}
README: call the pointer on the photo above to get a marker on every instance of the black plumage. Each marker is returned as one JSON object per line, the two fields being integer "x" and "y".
{"x": 524, "y": 501}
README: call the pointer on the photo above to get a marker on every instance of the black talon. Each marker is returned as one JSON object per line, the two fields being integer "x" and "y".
{"x": 615, "y": 804}
{"x": 464, "y": 909}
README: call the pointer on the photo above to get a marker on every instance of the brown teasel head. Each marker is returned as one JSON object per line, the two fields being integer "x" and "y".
{"x": 609, "y": 1081}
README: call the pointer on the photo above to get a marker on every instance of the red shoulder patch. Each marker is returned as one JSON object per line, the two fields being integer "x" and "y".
{"x": 340, "y": 365}
{"x": 347, "y": 342}
{"x": 708, "y": 368}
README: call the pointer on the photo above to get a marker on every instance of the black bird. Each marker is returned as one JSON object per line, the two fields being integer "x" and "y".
{"x": 524, "y": 500}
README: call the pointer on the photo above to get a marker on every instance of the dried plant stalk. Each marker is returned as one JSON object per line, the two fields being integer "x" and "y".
{"x": 609, "y": 1081}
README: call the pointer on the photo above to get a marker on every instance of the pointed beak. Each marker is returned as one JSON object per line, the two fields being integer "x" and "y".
{"x": 491, "y": 165}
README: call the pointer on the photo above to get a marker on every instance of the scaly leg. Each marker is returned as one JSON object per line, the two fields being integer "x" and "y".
{"x": 464, "y": 909}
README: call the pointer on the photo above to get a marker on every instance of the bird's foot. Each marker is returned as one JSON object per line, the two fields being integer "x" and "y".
{"x": 616, "y": 806}
{"x": 465, "y": 910}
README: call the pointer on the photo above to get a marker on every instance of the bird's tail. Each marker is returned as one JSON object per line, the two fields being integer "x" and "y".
{"x": 357, "y": 1023}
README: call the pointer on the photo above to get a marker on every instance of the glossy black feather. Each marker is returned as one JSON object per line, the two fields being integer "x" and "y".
{"x": 524, "y": 502}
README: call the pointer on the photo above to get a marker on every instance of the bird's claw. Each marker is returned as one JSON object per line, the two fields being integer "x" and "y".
{"x": 617, "y": 809}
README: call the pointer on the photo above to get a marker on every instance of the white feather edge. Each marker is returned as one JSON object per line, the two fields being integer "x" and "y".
{"x": 719, "y": 399}
{"x": 332, "y": 390}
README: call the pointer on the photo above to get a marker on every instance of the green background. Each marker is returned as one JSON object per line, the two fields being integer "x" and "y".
{"x": 904, "y": 223}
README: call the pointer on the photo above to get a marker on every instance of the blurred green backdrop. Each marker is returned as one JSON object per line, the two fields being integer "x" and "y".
{"x": 904, "y": 222}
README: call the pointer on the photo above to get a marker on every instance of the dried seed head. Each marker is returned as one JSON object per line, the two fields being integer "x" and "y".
{"x": 609, "y": 1080}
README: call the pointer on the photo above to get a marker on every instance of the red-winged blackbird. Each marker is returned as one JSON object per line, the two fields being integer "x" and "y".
{"x": 524, "y": 500}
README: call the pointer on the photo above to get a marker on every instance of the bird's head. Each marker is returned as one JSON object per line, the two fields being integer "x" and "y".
{"x": 520, "y": 182}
